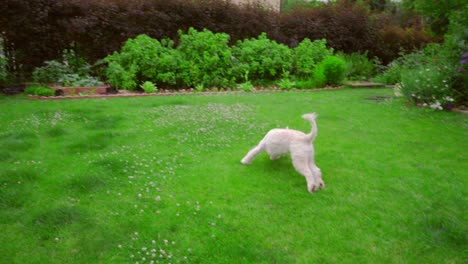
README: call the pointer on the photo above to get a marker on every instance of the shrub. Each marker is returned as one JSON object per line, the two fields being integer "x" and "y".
{"x": 4, "y": 74}
{"x": 246, "y": 86}
{"x": 393, "y": 71}
{"x": 95, "y": 29}
{"x": 261, "y": 57}
{"x": 205, "y": 58}
{"x": 358, "y": 66}
{"x": 71, "y": 70}
{"x": 286, "y": 84}
{"x": 307, "y": 55}
{"x": 148, "y": 87}
{"x": 429, "y": 85}
{"x": 39, "y": 90}
{"x": 142, "y": 59}
{"x": 331, "y": 70}
{"x": 305, "y": 84}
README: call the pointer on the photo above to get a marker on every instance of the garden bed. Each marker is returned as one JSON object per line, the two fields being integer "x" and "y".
{"x": 125, "y": 93}
{"x": 80, "y": 91}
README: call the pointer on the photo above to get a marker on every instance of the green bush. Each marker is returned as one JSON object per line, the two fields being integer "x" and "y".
{"x": 148, "y": 87}
{"x": 205, "y": 58}
{"x": 305, "y": 84}
{"x": 331, "y": 71}
{"x": 307, "y": 55}
{"x": 39, "y": 90}
{"x": 261, "y": 57}
{"x": 358, "y": 66}
{"x": 142, "y": 59}
{"x": 201, "y": 58}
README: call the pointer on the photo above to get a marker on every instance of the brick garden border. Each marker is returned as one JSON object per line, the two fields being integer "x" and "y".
{"x": 130, "y": 94}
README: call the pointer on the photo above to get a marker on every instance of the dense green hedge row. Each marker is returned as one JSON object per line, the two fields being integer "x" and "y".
{"x": 204, "y": 58}
{"x": 38, "y": 30}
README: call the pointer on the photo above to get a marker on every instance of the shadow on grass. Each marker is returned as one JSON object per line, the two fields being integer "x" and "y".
{"x": 94, "y": 142}
{"x": 105, "y": 122}
{"x": 16, "y": 143}
{"x": 15, "y": 188}
{"x": 48, "y": 222}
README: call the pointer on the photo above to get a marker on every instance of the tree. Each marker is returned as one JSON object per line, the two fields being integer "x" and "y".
{"x": 436, "y": 11}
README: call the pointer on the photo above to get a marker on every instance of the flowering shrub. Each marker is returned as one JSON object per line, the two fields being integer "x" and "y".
{"x": 429, "y": 86}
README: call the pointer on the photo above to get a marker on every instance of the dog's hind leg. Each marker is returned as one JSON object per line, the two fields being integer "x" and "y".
{"x": 301, "y": 165}
{"x": 251, "y": 154}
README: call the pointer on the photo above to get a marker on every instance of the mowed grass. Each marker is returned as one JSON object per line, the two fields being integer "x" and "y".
{"x": 129, "y": 180}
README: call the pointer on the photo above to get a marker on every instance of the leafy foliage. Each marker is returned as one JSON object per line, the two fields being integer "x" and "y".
{"x": 308, "y": 54}
{"x": 358, "y": 66}
{"x": 332, "y": 70}
{"x": 261, "y": 57}
{"x": 142, "y": 59}
{"x": 96, "y": 29}
{"x": 39, "y": 90}
{"x": 148, "y": 87}
{"x": 429, "y": 85}
{"x": 4, "y": 74}
{"x": 205, "y": 58}
{"x": 71, "y": 70}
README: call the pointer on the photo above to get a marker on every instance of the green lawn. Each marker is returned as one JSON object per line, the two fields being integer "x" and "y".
{"x": 128, "y": 180}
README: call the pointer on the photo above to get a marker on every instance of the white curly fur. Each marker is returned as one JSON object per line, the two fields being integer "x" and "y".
{"x": 280, "y": 141}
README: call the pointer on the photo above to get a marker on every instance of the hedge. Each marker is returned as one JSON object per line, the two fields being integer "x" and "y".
{"x": 35, "y": 31}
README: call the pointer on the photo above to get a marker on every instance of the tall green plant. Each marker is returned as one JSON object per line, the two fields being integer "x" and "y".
{"x": 358, "y": 66}
{"x": 142, "y": 59}
{"x": 307, "y": 55}
{"x": 261, "y": 57}
{"x": 331, "y": 71}
{"x": 205, "y": 58}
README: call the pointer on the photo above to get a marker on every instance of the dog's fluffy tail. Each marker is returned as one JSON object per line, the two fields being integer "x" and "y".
{"x": 311, "y": 118}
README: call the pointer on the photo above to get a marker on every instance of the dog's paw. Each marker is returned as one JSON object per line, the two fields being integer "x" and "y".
{"x": 312, "y": 187}
{"x": 321, "y": 184}
{"x": 245, "y": 162}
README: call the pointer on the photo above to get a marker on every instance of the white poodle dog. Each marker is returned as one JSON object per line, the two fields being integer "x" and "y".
{"x": 281, "y": 141}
